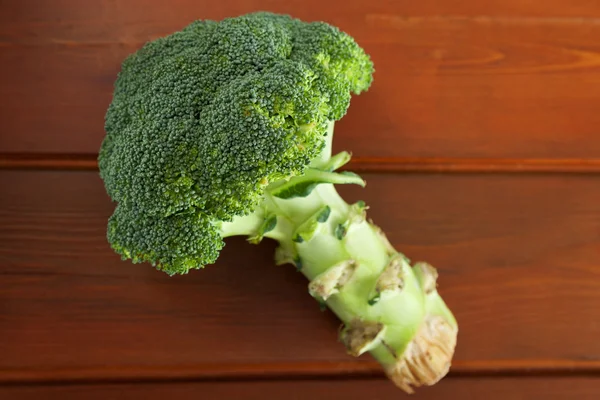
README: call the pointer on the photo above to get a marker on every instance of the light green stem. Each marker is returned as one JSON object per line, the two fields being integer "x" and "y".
{"x": 389, "y": 307}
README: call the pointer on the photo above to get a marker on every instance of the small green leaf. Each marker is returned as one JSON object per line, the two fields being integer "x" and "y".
{"x": 269, "y": 224}
{"x": 350, "y": 173}
{"x": 337, "y": 161}
{"x": 301, "y": 189}
{"x": 322, "y": 305}
{"x": 340, "y": 231}
{"x": 308, "y": 228}
{"x": 302, "y": 186}
{"x": 298, "y": 238}
{"x": 298, "y": 263}
{"x": 324, "y": 215}
{"x": 374, "y": 300}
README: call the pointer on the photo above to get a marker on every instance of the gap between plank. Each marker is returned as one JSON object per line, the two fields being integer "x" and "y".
{"x": 88, "y": 162}
{"x": 275, "y": 371}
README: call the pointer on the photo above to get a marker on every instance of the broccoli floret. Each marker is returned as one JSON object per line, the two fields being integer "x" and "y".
{"x": 204, "y": 119}
{"x": 172, "y": 244}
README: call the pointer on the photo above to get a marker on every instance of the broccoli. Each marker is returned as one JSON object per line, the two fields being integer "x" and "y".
{"x": 225, "y": 128}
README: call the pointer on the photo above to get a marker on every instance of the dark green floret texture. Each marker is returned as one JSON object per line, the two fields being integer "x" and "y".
{"x": 201, "y": 121}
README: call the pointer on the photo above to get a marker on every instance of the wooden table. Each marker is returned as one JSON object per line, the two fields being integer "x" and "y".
{"x": 480, "y": 143}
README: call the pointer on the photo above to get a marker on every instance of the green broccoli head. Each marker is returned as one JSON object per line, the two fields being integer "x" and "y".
{"x": 204, "y": 119}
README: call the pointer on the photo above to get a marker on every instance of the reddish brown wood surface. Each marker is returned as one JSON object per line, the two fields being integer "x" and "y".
{"x": 521, "y": 275}
{"x": 497, "y": 101}
{"x": 88, "y": 162}
{"x": 100, "y": 20}
{"x": 584, "y": 388}
{"x": 454, "y": 79}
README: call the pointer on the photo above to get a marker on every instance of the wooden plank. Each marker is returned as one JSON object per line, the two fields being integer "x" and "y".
{"x": 88, "y": 162}
{"x": 550, "y": 388}
{"x": 517, "y": 257}
{"x": 520, "y": 81}
{"x": 42, "y": 21}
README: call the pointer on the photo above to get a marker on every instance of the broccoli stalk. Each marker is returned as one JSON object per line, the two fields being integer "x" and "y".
{"x": 388, "y": 307}
{"x": 225, "y": 128}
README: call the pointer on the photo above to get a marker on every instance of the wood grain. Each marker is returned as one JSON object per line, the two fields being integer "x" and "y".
{"x": 88, "y": 162}
{"x": 581, "y": 388}
{"x": 454, "y": 79}
{"x": 517, "y": 257}
{"x": 42, "y": 21}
